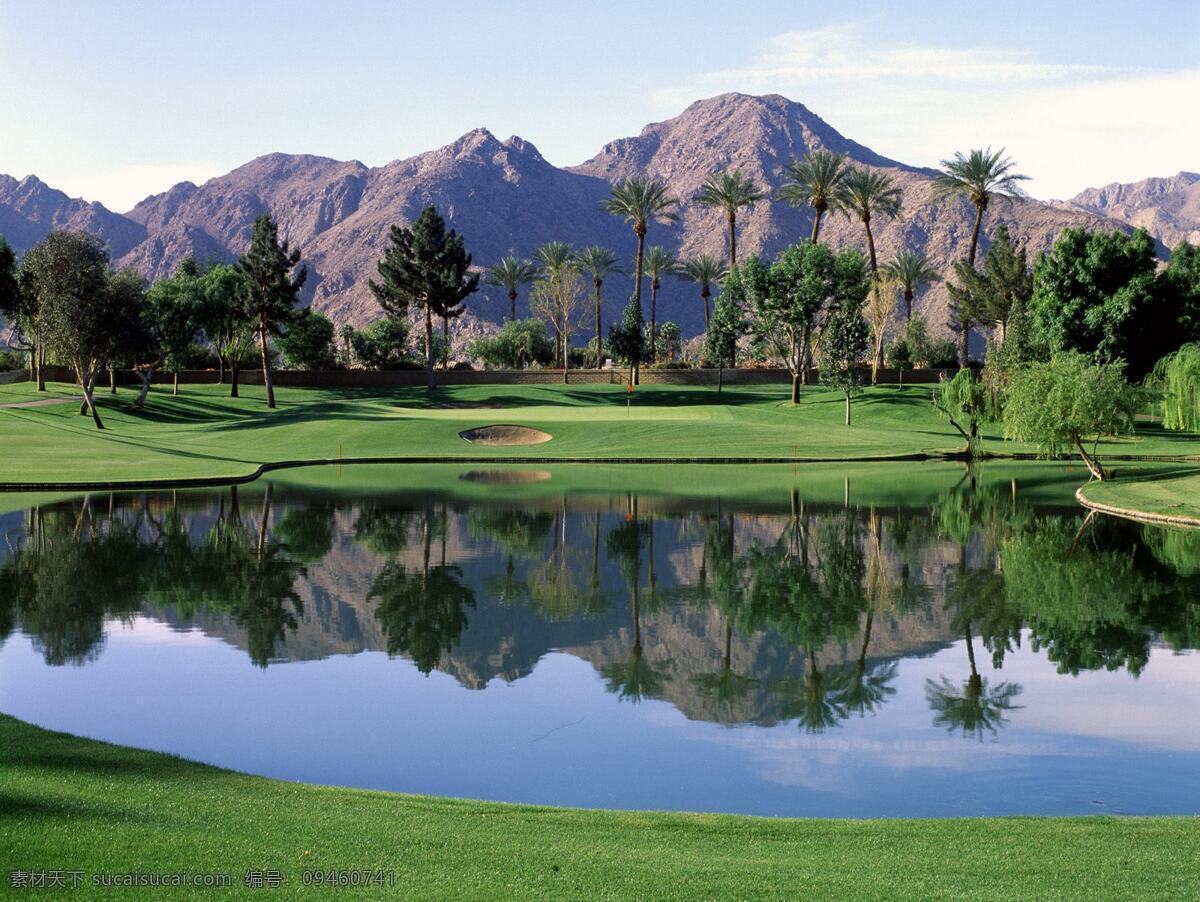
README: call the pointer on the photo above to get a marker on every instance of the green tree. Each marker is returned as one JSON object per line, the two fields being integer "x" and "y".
{"x": 728, "y": 325}
{"x": 383, "y": 345}
{"x": 961, "y": 401}
{"x": 1176, "y": 379}
{"x": 1179, "y": 286}
{"x": 174, "y": 315}
{"x": 912, "y": 271}
{"x": 729, "y": 191}
{"x": 659, "y": 264}
{"x": 845, "y": 338}
{"x": 627, "y": 339}
{"x": 1059, "y": 404}
{"x": 308, "y": 343}
{"x": 510, "y": 274}
{"x": 427, "y": 267}
{"x": 11, "y": 307}
{"x": 899, "y": 357}
{"x": 670, "y": 342}
{"x": 815, "y": 181}
{"x": 598, "y": 263}
{"x": 638, "y": 200}
{"x": 705, "y": 270}
{"x": 518, "y": 344}
{"x": 977, "y": 176}
{"x": 1095, "y": 292}
{"x": 82, "y": 308}
{"x": 272, "y": 287}
{"x": 224, "y": 322}
{"x": 988, "y": 296}
{"x": 786, "y": 303}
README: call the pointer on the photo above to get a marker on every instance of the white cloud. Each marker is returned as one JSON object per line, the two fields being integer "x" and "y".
{"x": 1069, "y": 126}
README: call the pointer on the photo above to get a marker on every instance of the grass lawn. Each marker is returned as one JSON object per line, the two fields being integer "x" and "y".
{"x": 1175, "y": 493}
{"x": 75, "y": 804}
{"x": 204, "y": 434}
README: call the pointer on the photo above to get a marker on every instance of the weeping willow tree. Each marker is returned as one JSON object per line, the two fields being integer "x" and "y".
{"x": 1177, "y": 378}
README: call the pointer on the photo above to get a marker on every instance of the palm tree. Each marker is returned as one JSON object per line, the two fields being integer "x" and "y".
{"x": 867, "y": 193}
{"x": 659, "y": 263}
{"x": 554, "y": 258}
{"x": 510, "y": 274}
{"x": 638, "y": 200}
{"x": 978, "y": 176}
{"x": 704, "y": 271}
{"x": 911, "y": 270}
{"x": 815, "y": 181}
{"x": 729, "y": 191}
{"x": 599, "y": 263}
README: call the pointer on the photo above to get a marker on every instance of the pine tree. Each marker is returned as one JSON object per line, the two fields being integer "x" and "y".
{"x": 628, "y": 339}
{"x": 727, "y": 325}
{"x": 271, "y": 290}
{"x": 428, "y": 267}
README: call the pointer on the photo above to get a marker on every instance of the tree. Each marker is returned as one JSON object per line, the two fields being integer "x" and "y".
{"x": 989, "y": 295}
{"x": 80, "y": 312}
{"x": 899, "y": 357}
{"x": 961, "y": 401}
{"x": 844, "y": 338}
{"x": 554, "y": 259}
{"x": 11, "y": 307}
{"x": 659, "y": 264}
{"x": 1095, "y": 292}
{"x": 670, "y": 342}
{"x": 704, "y": 270}
{"x": 559, "y": 296}
{"x": 427, "y": 267}
{"x": 383, "y": 345}
{"x": 1179, "y": 286}
{"x": 1059, "y": 404}
{"x": 510, "y": 274}
{"x": 1176, "y": 378}
{"x": 271, "y": 288}
{"x": 880, "y": 313}
{"x": 518, "y": 344}
{"x": 598, "y": 263}
{"x": 977, "y": 176}
{"x": 912, "y": 271}
{"x": 308, "y": 343}
{"x": 815, "y": 181}
{"x": 786, "y": 301}
{"x": 727, "y": 326}
{"x": 729, "y": 191}
{"x": 223, "y": 319}
{"x": 627, "y": 339}
{"x": 638, "y": 200}
{"x": 174, "y": 316}
{"x": 868, "y": 193}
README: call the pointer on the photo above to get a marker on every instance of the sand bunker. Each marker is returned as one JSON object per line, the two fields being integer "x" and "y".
{"x": 505, "y": 477}
{"x": 505, "y": 435}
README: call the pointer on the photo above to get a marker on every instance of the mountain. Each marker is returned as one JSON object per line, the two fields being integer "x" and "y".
{"x": 504, "y": 197}
{"x": 1168, "y": 208}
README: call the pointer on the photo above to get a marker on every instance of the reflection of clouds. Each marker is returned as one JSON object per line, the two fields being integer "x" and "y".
{"x": 1159, "y": 710}
{"x": 830, "y": 763}
{"x": 141, "y": 630}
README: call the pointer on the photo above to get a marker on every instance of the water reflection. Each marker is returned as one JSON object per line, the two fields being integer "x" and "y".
{"x": 734, "y": 613}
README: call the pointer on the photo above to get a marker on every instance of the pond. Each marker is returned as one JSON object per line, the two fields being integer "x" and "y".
{"x": 903, "y": 640}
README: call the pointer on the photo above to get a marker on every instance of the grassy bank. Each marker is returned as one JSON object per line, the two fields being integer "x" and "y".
{"x": 203, "y": 434}
{"x": 71, "y": 803}
{"x": 1174, "y": 494}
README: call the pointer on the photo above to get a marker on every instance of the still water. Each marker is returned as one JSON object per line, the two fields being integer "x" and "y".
{"x": 803, "y": 644}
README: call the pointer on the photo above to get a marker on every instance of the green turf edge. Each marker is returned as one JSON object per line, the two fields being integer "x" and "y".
{"x": 1171, "y": 498}
{"x": 73, "y": 803}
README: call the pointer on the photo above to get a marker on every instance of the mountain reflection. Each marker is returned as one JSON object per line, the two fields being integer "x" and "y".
{"x": 733, "y": 612}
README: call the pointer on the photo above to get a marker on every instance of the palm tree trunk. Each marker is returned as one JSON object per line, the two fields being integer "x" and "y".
{"x": 732, "y": 239}
{"x": 705, "y": 294}
{"x": 266, "y": 364}
{"x": 964, "y": 327}
{"x": 653, "y": 355}
{"x": 598, "y": 283}
{"x": 637, "y": 291}
{"x": 908, "y": 299}
{"x": 816, "y": 225}
{"x": 430, "y": 383}
{"x": 512, "y": 300}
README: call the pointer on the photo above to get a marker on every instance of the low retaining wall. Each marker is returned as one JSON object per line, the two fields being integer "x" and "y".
{"x": 409, "y": 378}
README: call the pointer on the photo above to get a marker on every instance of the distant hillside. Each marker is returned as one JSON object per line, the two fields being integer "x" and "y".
{"x": 505, "y": 198}
{"x": 1168, "y": 208}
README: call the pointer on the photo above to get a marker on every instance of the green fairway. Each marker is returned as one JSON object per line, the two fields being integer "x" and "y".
{"x": 203, "y": 434}
{"x": 77, "y": 805}
{"x": 1174, "y": 494}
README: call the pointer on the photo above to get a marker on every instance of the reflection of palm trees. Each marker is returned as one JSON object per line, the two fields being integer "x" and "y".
{"x": 554, "y": 585}
{"x": 636, "y": 678}
{"x": 423, "y": 612}
{"x": 974, "y": 708}
{"x": 816, "y": 700}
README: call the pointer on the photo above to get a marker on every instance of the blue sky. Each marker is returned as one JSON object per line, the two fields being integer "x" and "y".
{"x": 117, "y": 100}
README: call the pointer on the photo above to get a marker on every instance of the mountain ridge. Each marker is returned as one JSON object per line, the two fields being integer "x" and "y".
{"x": 505, "y": 197}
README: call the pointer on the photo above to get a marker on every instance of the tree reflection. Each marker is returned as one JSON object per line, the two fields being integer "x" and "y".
{"x": 972, "y": 708}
